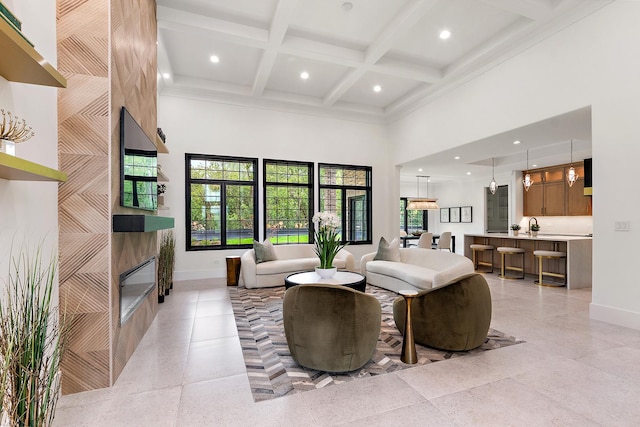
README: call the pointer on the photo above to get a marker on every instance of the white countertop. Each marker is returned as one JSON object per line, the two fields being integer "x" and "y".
{"x": 522, "y": 236}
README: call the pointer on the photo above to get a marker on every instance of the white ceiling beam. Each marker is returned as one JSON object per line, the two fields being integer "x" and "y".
{"x": 401, "y": 23}
{"x": 408, "y": 71}
{"x": 323, "y": 52}
{"x": 279, "y": 24}
{"x": 532, "y": 9}
{"x": 164, "y": 62}
{"x": 178, "y": 20}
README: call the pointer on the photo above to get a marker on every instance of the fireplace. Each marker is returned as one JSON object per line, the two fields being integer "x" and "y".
{"x": 135, "y": 285}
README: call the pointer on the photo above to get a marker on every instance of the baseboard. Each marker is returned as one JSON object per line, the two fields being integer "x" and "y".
{"x": 199, "y": 274}
{"x": 617, "y": 316}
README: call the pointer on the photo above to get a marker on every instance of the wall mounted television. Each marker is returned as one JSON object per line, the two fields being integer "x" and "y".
{"x": 138, "y": 166}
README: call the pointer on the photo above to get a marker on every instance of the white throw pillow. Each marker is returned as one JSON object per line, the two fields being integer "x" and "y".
{"x": 388, "y": 251}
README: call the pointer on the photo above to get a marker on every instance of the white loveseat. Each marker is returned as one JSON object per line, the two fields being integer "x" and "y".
{"x": 418, "y": 270}
{"x": 291, "y": 259}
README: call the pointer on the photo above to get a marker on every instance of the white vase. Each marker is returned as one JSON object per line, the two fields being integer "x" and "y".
{"x": 326, "y": 273}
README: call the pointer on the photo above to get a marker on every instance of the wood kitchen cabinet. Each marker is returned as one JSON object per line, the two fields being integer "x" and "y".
{"x": 550, "y": 195}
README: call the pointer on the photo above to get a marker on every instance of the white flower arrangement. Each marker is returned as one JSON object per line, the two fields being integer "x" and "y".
{"x": 327, "y": 241}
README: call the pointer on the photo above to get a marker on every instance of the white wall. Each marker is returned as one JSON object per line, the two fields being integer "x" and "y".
{"x": 592, "y": 63}
{"x": 30, "y": 209}
{"x": 202, "y": 127}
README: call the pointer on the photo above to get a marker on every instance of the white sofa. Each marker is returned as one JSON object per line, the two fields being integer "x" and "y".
{"x": 291, "y": 259}
{"x": 418, "y": 270}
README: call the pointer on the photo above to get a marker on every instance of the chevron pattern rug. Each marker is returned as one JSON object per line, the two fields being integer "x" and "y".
{"x": 273, "y": 372}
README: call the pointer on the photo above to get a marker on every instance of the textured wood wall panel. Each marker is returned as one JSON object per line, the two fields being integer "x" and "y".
{"x": 91, "y": 257}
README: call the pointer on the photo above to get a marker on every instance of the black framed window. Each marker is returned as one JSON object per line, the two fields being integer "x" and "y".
{"x": 412, "y": 220}
{"x": 288, "y": 201}
{"x": 346, "y": 191}
{"x": 221, "y": 202}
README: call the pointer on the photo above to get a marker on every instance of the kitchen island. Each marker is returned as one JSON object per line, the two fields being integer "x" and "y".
{"x": 578, "y": 249}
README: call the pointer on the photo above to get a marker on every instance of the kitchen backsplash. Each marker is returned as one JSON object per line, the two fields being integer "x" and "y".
{"x": 561, "y": 224}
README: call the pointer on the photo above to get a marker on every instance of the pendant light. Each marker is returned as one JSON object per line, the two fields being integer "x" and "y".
{"x": 493, "y": 186}
{"x": 423, "y": 204}
{"x": 572, "y": 176}
{"x": 527, "y": 181}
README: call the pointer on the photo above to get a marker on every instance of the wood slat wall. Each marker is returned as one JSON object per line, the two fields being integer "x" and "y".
{"x": 91, "y": 257}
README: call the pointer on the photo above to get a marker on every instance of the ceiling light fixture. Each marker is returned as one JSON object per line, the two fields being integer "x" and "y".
{"x": 516, "y": 142}
{"x": 493, "y": 186}
{"x": 445, "y": 34}
{"x": 215, "y": 59}
{"x": 304, "y": 75}
{"x": 377, "y": 88}
{"x": 572, "y": 176}
{"x": 423, "y": 204}
{"x": 456, "y": 158}
{"x": 527, "y": 181}
{"x": 166, "y": 75}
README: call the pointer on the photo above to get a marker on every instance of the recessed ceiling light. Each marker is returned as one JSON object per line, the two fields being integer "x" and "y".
{"x": 304, "y": 75}
{"x": 445, "y": 34}
{"x": 456, "y": 158}
{"x": 166, "y": 75}
{"x": 516, "y": 142}
{"x": 534, "y": 166}
{"x": 377, "y": 88}
{"x": 468, "y": 173}
{"x": 347, "y": 6}
{"x": 420, "y": 170}
{"x": 215, "y": 59}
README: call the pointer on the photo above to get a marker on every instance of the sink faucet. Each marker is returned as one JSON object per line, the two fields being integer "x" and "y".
{"x": 533, "y": 218}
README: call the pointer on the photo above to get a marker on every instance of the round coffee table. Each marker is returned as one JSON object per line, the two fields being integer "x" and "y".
{"x": 343, "y": 278}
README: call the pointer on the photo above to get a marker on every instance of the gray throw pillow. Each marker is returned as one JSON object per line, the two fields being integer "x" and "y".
{"x": 264, "y": 251}
{"x": 388, "y": 251}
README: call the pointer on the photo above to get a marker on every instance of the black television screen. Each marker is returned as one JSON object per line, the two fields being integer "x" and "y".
{"x": 138, "y": 165}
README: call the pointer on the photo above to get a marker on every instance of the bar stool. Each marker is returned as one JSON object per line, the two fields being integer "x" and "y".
{"x": 540, "y": 254}
{"x": 475, "y": 248}
{"x": 507, "y": 250}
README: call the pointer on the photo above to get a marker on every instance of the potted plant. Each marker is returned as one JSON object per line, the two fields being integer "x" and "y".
{"x": 534, "y": 229}
{"x": 166, "y": 264}
{"x": 327, "y": 242}
{"x": 161, "y": 190}
{"x": 32, "y": 337}
{"x": 515, "y": 228}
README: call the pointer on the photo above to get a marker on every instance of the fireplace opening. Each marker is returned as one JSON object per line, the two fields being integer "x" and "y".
{"x": 135, "y": 285}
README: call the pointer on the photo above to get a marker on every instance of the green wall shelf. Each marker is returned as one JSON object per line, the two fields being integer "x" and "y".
{"x": 141, "y": 223}
{"x": 16, "y": 169}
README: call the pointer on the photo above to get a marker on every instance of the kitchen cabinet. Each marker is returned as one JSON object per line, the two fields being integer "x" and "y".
{"x": 550, "y": 195}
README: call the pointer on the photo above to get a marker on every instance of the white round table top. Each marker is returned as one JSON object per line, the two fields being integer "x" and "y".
{"x": 340, "y": 278}
{"x": 407, "y": 293}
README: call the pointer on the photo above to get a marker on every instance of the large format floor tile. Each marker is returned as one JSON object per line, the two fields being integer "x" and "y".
{"x": 188, "y": 370}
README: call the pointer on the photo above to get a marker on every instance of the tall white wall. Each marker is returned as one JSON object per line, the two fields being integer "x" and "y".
{"x": 202, "y": 127}
{"x": 593, "y": 62}
{"x": 29, "y": 209}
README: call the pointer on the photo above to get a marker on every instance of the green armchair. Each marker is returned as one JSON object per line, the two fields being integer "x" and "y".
{"x": 454, "y": 317}
{"x": 331, "y": 328}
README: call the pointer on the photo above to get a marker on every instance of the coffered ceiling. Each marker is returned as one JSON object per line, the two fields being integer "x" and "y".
{"x": 346, "y": 47}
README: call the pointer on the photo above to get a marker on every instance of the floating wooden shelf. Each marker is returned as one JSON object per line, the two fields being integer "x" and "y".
{"x": 141, "y": 223}
{"x": 20, "y": 62}
{"x": 162, "y": 177}
{"x": 162, "y": 147}
{"x": 17, "y": 169}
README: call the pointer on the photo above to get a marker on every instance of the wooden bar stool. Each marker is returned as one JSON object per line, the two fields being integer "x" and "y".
{"x": 540, "y": 254}
{"x": 475, "y": 248}
{"x": 507, "y": 250}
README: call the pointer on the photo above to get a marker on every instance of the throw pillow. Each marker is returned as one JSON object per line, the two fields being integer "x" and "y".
{"x": 264, "y": 251}
{"x": 388, "y": 251}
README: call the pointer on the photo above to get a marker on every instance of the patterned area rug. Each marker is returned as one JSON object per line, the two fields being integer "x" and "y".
{"x": 273, "y": 372}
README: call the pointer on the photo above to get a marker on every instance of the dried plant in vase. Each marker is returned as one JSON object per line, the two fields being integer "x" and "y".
{"x": 166, "y": 264}
{"x": 32, "y": 336}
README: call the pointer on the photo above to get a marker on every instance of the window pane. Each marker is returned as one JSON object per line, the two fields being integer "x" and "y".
{"x": 205, "y": 215}
{"x": 357, "y": 216}
{"x": 239, "y": 215}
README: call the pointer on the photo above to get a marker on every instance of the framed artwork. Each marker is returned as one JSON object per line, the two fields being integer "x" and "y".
{"x": 465, "y": 214}
{"x": 444, "y": 214}
{"x": 454, "y": 214}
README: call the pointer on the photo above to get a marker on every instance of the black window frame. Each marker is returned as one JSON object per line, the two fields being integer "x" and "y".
{"x": 344, "y": 203}
{"x": 310, "y": 186}
{"x": 188, "y": 181}
{"x": 405, "y": 226}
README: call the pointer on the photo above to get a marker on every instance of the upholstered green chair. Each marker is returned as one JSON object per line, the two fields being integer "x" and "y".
{"x": 331, "y": 328}
{"x": 454, "y": 317}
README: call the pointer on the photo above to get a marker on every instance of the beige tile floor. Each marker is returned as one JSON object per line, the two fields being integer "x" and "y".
{"x": 189, "y": 371}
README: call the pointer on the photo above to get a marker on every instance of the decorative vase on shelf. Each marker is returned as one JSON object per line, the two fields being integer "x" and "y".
{"x": 534, "y": 233}
{"x": 326, "y": 273}
{"x": 515, "y": 232}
